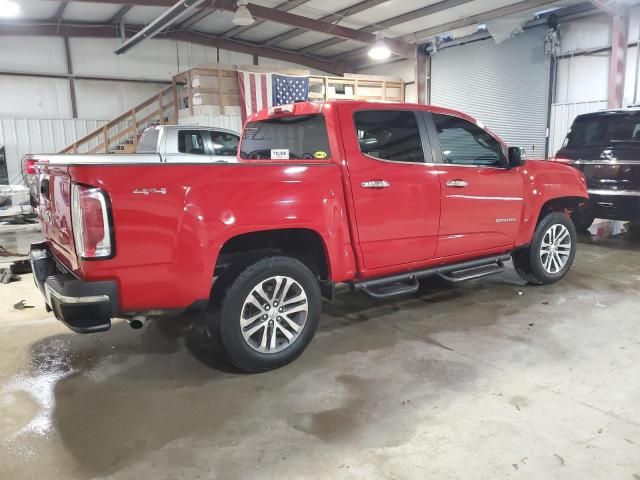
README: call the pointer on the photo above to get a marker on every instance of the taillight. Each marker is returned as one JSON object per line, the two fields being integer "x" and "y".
{"x": 560, "y": 160}
{"x": 30, "y": 166}
{"x": 91, "y": 221}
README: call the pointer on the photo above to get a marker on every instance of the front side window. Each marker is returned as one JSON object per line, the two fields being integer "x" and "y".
{"x": 389, "y": 135}
{"x": 225, "y": 144}
{"x": 299, "y": 137}
{"x": 464, "y": 143}
{"x": 191, "y": 142}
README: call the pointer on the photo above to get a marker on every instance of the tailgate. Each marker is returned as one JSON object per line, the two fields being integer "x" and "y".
{"x": 53, "y": 186}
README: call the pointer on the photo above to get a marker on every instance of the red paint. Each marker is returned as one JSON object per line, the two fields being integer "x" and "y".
{"x": 167, "y": 245}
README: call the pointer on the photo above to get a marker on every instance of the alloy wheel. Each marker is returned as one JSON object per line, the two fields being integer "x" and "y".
{"x": 555, "y": 248}
{"x": 274, "y": 314}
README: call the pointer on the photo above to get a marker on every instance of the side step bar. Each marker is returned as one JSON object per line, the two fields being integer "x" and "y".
{"x": 407, "y": 283}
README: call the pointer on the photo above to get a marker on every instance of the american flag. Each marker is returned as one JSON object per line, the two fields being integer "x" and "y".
{"x": 263, "y": 90}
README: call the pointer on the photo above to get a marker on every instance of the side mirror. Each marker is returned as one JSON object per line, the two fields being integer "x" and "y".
{"x": 517, "y": 157}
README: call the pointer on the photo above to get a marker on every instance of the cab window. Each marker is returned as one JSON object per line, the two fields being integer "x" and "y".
{"x": 465, "y": 143}
{"x": 191, "y": 142}
{"x": 389, "y": 135}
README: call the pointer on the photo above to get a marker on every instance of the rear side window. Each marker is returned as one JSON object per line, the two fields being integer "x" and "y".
{"x": 148, "y": 141}
{"x": 602, "y": 130}
{"x": 192, "y": 142}
{"x": 464, "y": 143}
{"x": 389, "y": 135}
{"x": 301, "y": 137}
{"x": 225, "y": 144}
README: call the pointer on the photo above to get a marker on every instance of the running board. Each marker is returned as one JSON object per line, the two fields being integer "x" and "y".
{"x": 407, "y": 283}
{"x": 474, "y": 273}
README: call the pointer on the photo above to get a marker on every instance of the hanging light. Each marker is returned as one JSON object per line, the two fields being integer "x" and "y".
{"x": 243, "y": 15}
{"x": 379, "y": 50}
{"x": 9, "y": 9}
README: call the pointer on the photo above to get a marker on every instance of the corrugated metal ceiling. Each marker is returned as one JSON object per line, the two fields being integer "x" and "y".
{"x": 219, "y": 22}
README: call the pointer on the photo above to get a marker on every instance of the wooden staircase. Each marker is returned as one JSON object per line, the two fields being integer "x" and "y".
{"x": 120, "y": 135}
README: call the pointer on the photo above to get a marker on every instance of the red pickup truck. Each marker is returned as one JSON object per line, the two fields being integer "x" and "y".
{"x": 374, "y": 195}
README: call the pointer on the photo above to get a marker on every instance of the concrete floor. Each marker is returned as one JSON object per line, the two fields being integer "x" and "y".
{"x": 490, "y": 379}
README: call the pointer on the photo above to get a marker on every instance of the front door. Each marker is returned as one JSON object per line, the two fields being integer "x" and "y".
{"x": 482, "y": 199}
{"x": 396, "y": 194}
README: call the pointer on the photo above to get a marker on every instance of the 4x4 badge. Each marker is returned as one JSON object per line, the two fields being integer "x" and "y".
{"x": 149, "y": 191}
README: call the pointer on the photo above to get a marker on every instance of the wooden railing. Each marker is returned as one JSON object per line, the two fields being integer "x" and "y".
{"x": 120, "y": 135}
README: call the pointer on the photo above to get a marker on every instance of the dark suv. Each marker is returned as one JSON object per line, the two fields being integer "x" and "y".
{"x": 605, "y": 146}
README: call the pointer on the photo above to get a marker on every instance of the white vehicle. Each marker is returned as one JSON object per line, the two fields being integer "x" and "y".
{"x": 157, "y": 144}
{"x": 182, "y": 144}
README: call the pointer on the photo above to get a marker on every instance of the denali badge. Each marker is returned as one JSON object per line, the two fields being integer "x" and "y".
{"x": 506, "y": 220}
{"x": 149, "y": 191}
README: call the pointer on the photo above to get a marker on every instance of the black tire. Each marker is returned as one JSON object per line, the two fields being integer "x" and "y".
{"x": 528, "y": 262}
{"x": 228, "y": 309}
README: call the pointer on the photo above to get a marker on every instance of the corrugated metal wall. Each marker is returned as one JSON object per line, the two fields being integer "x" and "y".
{"x": 562, "y": 116}
{"x": 505, "y": 86}
{"x": 20, "y": 136}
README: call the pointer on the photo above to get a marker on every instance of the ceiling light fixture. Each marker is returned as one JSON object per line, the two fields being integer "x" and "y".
{"x": 242, "y": 16}
{"x": 9, "y": 9}
{"x": 379, "y": 50}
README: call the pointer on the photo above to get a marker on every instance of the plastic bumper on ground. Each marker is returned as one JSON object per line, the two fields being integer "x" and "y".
{"x": 85, "y": 307}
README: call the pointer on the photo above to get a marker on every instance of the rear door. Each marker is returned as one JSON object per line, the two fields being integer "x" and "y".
{"x": 482, "y": 200}
{"x": 395, "y": 187}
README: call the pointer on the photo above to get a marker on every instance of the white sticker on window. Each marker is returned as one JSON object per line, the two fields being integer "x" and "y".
{"x": 279, "y": 154}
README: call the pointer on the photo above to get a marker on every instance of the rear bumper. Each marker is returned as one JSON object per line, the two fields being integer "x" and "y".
{"x": 84, "y": 307}
{"x": 614, "y": 205}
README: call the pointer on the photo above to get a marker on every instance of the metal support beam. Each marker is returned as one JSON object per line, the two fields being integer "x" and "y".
{"x": 60, "y": 12}
{"x": 618, "y": 64}
{"x": 110, "y": 31}
{"x": 422, "y": 59}
{"x": 480, "y": 18}
{"x": 392, "y": 22}
{"x": 165, "y": 20}
{"x": 72, "y": 85}
{"x": 283, "y": 7}
{"x": 332, "y": 18}
{"x": 195, "y": 18}
{"x": 119, "y": 15}
{"x": 399, "y": 47}
{"x": 431, "y": 32}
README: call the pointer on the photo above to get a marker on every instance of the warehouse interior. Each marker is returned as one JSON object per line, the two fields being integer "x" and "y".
{"x": 491, "y": 378}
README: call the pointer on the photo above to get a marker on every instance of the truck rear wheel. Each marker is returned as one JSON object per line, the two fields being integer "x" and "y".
{"x": 268, "y": 314}
{"x": 551, "y": 253}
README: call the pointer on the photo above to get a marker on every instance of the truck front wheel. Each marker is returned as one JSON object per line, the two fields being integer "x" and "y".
{"x": 268, "y": 314}
{"x": 551, "y": 253}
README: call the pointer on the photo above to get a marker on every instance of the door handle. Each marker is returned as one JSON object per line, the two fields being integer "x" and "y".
{"x": 375, "y": 184}
{"x": 457, "y": 183}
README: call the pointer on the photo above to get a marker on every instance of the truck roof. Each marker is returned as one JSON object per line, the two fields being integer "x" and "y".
{"x": 609, "y": 111}
{"x": 308, "y": 108}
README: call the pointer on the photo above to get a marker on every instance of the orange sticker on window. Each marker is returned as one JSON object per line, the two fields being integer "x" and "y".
{"x": 320, "y": 155}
